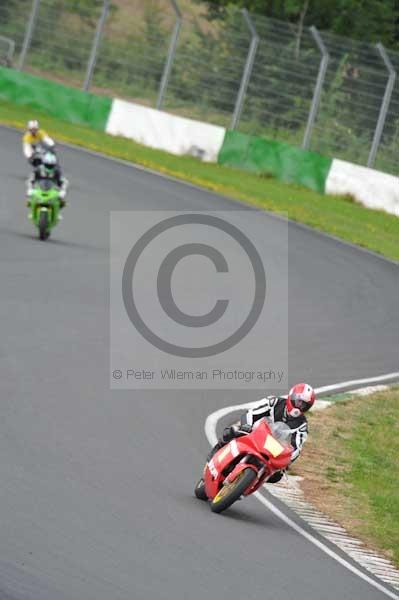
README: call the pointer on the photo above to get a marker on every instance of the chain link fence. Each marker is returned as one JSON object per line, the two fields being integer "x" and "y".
{"x": 243, "y": 71}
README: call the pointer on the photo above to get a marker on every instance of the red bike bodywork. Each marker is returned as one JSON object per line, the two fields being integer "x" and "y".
{"x": 259, "y": 450}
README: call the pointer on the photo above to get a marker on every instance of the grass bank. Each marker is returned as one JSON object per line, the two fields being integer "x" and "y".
{"x": 351, "y": 468}
{"x": 338, "y": 216}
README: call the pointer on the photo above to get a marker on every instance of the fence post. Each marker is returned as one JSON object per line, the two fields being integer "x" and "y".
{"x": 11, "y": 49}
{"x": 171, "y": 55}
{"x": 28, "y": 34}
{"x": 249, "y": 63}
{"x": 384, "y": 105}
{"x": 96, "y": 42}
{"x": 318, "y": 87}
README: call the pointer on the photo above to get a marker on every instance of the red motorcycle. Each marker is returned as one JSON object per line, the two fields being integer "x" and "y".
{"x": 244, "y": 464}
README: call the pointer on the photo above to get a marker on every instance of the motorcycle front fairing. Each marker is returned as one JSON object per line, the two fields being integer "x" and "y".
{"x": 45, "y": 194}
{"x": 259, "y": 450}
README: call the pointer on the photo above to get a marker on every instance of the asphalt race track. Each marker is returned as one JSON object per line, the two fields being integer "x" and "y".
{"x": 96, "y": 487}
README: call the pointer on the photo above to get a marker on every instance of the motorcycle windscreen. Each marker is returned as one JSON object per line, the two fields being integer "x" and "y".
{"x": 46, "y": 185}
{"x": 279, "y": 440}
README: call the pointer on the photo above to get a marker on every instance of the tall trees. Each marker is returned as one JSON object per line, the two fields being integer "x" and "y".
{"x": 367, "y": 20}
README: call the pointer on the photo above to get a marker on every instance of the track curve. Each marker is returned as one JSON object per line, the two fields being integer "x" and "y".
{"x": 96, "y": 486}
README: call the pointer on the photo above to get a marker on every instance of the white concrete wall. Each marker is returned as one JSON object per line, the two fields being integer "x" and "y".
{"x": 178, "y": 135}
{"x": 369, "y": 187}
{"x": 164, "y": 131}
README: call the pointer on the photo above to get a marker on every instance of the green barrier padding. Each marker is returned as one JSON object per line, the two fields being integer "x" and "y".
{"x": 283, "y": 161}
{"x": 57, "y": 100}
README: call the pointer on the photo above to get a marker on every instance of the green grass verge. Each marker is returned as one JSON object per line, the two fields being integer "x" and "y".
{"x": 351, "y": 467}
{"x": 338, "y": 216}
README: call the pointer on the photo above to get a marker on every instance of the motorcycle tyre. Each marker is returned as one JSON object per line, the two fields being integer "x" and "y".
{"x": 199, "y": 490}
{"x": 245, "y": 478}
{"x": 43, "y": 226}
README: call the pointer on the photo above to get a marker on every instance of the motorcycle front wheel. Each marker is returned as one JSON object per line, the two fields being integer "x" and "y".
{"x": 231, "y": 492}
{"x": 43, "y": 225}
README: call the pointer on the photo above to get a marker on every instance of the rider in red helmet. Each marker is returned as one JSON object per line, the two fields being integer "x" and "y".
{"x": 300, "y": 399}
{"x": 290, "y": 410}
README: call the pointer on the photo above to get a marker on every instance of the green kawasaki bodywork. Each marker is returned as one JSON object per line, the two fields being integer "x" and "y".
{"x": 45, "y": 207}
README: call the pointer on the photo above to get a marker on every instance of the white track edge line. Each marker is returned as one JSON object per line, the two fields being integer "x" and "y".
{"x": 210, "y": 432}
{"x": 345, "y": 384}
{"x": 323, "y": 547}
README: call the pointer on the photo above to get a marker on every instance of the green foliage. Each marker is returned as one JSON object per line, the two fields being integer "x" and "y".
{"x": 351, "y": 468}
{"x": 201, "y": 62}
{"x": 374, "y": 448}
{"x": 366, "y": 20}
{"x": 87, "y": 10}
{"x": 9, "y": 9}
{"x": 133, "y": 64}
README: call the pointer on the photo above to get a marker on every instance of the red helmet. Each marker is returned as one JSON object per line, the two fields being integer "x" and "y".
{"x": 300, "y": 399}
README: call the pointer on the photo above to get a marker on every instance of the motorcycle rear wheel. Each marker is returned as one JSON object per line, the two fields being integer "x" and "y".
{"x": 231, "y": 492}
{"x": 199, "y": 490}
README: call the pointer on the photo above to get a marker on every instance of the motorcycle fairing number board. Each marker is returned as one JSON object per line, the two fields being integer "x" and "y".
{"x": 273, "y": 446}
{"x": 223, "y": 454}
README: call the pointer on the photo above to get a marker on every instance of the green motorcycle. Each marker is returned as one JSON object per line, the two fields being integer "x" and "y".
{"x": 45, "y": 207}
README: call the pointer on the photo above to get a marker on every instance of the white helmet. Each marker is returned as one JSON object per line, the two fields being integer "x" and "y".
{"x": 33, "y": 126}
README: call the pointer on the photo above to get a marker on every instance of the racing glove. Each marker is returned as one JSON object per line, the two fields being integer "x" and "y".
{"x": 229, "y": 433}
